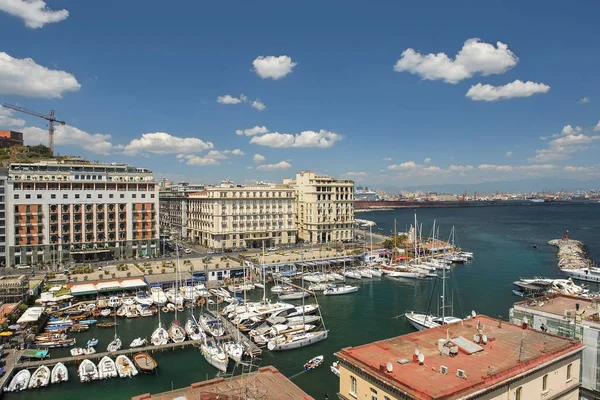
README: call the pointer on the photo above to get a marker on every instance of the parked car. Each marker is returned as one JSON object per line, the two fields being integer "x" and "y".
{"x": 188, "y": 251}
{"x": 23, "y": 266}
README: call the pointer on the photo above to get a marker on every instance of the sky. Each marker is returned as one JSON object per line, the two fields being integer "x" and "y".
{"x": 382, "y": 92}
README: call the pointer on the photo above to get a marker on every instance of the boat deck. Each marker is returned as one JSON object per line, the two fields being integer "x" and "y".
{"x": 233, "y": 332}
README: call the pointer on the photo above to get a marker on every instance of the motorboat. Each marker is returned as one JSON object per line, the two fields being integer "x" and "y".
{"x": 87, "y": 371}
{"x": 192, "y": 329}
{"x": 138, "y": 342}
{"x": 125, "y": 367}
{"x": 337, "y": 277}
{"x": 76, "y": 351}
{"x": 115, "y": 345}
{"x": 105, "y": 312}
{"x": 174, "y": 297}
{"x": 144, "y": 311}
{"x": 241, "y": 287}
{"x": 128, "y": 301}
{"x": 189, "y": 294}
{"x": 176, "y": 333}
{"x": 157, "y": 295}
{"x": 314, "y": 363}
{"x": 92, "y": 342}
{"x": 406, "y": 273}
{"x": 40, "y": 378}
{"x": 307, "y": 319}
{"x": 375, "y": 272}
{"x": 215, "y": 355}
{"x": 335, "y": 368}
{"x": 113, "y": 302}
{"x": 296, "y": 340}
{"x": 160, "y": 336}
{"x": 365, "y": 273}
{"x": 59, "y": 374}
{"x": 19, "y": 382}
{"x": 352, "y": 274}
{"x": 584, "y": 274}
{"x": 89, "y": 350}
{"x": 422, "y": 321}
{"x": 307, "y": 309}
{"x": 337, "y": 290}
{"x": 142, "y": 298}
{"x": 107, "y": 368}
{"x": 235, "y": 351}
{"x": 280, "y": 288}
{"x": 60, "y": 321}
{"x": 88, "y": 321}
{"x": 317, "y": 287}
{"x": 60, "y": 343}
{"x": 144, "y": 362}
{"x": 293, "y": 295}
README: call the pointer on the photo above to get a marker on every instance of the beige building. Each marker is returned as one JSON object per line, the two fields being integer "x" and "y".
{"x": 325, "y": 207}
{"x": 236, "y": 216}
{"x": 480, "y": 358}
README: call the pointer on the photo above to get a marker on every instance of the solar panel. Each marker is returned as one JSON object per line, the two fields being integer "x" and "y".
{"x": 466, "y": 345}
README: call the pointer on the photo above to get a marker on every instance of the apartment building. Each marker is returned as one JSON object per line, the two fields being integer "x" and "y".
{"x": 3, "y": 178}
{"x": 235, "y": 216}
{"x": 10, "y": 139}
{"x": 571, "y": 317}
{"x": 325, "y": 207}
{"x": 174, "y": 207}
{"x": 75, "y": 210}
{"x": 480, "y": 358}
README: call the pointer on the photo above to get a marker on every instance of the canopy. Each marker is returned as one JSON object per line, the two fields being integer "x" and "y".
{"x": 54, "y": 288}
{"x": 32, "y": 314}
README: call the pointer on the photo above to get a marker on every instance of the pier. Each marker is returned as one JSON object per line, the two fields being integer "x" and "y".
{"x": 233, "y": 333}
{"x": 570, "y": 253}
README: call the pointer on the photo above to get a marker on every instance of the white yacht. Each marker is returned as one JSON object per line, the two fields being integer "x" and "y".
{"x": 215, "y": 355}
{"x": 113, "y": 302}
{"x": 192, "y": 329}
{"x": 143, "y": 298}
{"x": 352, "y": 274}
{"x": 160, "y": 336}
{"x": 235, "y": 351}
{"x": 125, "y": 367}
{"x": 293, "y": 295}
{"x": 337, "y": 290}
{"x": 297, "y": 340}
{"x": 422, "y": 321}
{"x": 584, "y": 274}
{"x": 157, "y": 295}
{"x": 138, "y": 342}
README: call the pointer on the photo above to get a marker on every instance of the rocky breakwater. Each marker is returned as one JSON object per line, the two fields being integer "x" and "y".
{"x": 570, "y": 254}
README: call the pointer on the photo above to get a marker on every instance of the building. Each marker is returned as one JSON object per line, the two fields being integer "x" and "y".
{"x": 238, "y": 216}
{"x": 75, "y": 210}
{"x": 324, "y": 207}
{"x": 480, "y": 358}
{"x": 267, "y": 383}
{"x": 3, "y": 178}
{"x": 174, "y": 207}
{"x": 14, "y": 288}
{"x": 571, "y": 317}
{"x": 10, "y": 139}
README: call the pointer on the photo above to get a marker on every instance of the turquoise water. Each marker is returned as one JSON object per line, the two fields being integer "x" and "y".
{"x": 501, "y": 238}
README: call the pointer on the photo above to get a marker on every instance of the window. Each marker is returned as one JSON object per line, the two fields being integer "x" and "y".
{"x": 88, "y": 196}
{"x": 373, "y": 394}
{"x": 545, "y": 383}
{"x": 353, "y": 386}
{"x": 143, "y": 195}
{"x": 16, "y": 197}
{"x": 569, "y": 367}
{"x": 76, "y": 196}
{"x": 386, "y": 398}
{"x": 518, "y": 393}
{"x": 53, "y": 196}
{"x": 152, "y": 195}
{"x": 65, "y": 196}
{"x": 27, "y": 196}
{"x": 99, "y": 196}
{"x": 122, "y": 196}
{"x": 133, "y": 196}
{"x": 110, "y": 196}
{"x": 39, "y": 196}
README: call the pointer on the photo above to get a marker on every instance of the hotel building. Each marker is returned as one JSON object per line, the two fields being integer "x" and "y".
{"x": 480, "y": 358}
{"x": 75, "y": 210}
{"x": 174, "y": 208}
{"x": 325, "y": 207}
{"x": 237, "y": 216}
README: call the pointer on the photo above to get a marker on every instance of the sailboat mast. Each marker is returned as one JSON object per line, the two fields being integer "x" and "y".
{"x": 415, "y": 236}
{"x": 302, "y": 266}
{"x": 176, "y": 276}
{"x": 443, "y": 294}
{"x": 263, "y": 273}
{"x": 395, "y": 245}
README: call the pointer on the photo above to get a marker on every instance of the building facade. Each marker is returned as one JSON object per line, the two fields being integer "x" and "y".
{"x": 174, "y": 207}
{"x": 324, "y": 207}
{"x": 3, "y": 179}
{"x": 571, "y": 317}
{"x": 73, "y": 210}
{"x": 236, "y": 216}
{"x": 480, "y": 358}
{"x": 10, "y": 139}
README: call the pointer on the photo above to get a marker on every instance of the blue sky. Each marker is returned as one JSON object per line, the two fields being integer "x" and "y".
{"x": 140, "y": 82}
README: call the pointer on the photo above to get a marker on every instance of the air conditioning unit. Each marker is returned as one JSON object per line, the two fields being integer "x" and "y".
{"x": 461, "y": 373}
{"x": 443, "y": 370}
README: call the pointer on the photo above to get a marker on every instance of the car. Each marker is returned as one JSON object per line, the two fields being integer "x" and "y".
{"x": 188, "y": 251}
{"x": 210, "y": 252}
{"x": 23, "y": 266}
{"x": 272, "y": 249}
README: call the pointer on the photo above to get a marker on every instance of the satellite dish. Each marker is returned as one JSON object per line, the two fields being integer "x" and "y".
{"x": 484, "y": 339}
{"x": 417, "y": 352}
{"x": 421, "y": 358}
{"x": 389, "y": 367}
{"x": 473, "y": 313}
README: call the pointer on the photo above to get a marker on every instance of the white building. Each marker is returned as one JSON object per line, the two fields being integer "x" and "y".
{"x": 75, "y": 210}
{"x": 325, "y": 207}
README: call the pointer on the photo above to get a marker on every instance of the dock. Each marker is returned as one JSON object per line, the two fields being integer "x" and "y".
{"x": 234, "y": 333}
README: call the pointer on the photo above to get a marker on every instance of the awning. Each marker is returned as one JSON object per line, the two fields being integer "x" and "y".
{"x": 108, "y": 286}
{"x": 80, "y": 290}
{"x": 32, "y": 314}
{"x": 132, "y": 283}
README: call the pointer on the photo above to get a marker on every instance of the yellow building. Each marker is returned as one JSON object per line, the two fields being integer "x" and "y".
{"x": 480, "y": 358}
{"x": 325, "y": 207}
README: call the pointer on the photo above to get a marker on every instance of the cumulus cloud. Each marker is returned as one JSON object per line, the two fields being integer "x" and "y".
{"x": 359, "y": 174}
{"x": 257, "y": 130}
{"x": 35, "y": 13}
{"x": 387, "y": 159}
{"x": 597, "y": 127}
{"x": 24, "y": 77}
{"x": 259, "y": 105}
{"x": 234, "y": 152}
{"x": 229, "y": 99}
{"x": 569, "y": 141}
{"x": 511, "y": 90}
{"x": 7, "y": 120}
{"x": 273, "y": 67}
{"x": 322, "y": 139}
{"x": 474, "y": 57}
{"x": 508, "y": 154}
{"x": 258, "y": 158}
{"x": 165, "y": 143}
{"x": 584, "y": 100}
{"x": 461, "y": 168}
{"x": 274, "y": 167}
{"x": 586, "y": 170}
{"x": 513, "y": 168}
{"x": 403, "y": 166}
{"x": 201, "y": 161}
{"x": 69, "y": 135}
{"x": 427, "y": 160}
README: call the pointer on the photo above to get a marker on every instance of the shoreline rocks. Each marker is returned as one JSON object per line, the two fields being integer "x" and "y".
{"x": 570, "y": 254}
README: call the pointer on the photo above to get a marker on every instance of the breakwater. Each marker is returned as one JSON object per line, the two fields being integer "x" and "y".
{"x": 570, "y": 253}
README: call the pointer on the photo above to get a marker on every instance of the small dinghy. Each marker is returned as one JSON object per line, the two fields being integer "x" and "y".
{"x": 115, "y": 345}
{"x": 107, "y": 368}
{"x": 76, "y": 351}
{"x": 314, "y": 363}
{"x": 87, "y": 371}
{"x": 144, "y": 362}
{"x": 40, "y": 378}
{"x": 138, "y": 342}
{"x": 92, "y": 342}
{"x": 125, "y": 367}
{"x": 89, "y": 350}
{"x": 19, "y": 382}
{"x": 105, "y": 312}
{"x": 59, "y": 374}
{"x": 335, "y": 368}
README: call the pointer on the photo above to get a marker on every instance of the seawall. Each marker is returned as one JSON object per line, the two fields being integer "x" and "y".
{"x": 570, "y": 254}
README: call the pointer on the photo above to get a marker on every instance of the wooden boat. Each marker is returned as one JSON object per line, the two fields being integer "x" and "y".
{"x": 40, "y": 378}
{"x": 79, "y": 317}
{"x": 59, "y": 373}
{"x": 125, "y": 367}
{"x": 144, "y": 362}
{"x": 107, "y": 324}
{"x": 79, "y": 328}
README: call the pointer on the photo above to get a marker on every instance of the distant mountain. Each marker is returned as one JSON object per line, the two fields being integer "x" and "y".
{"x": 520, "y": 186}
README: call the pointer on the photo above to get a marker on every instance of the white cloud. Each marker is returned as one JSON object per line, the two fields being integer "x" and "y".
{"x": 69, "y": 135}
{"x": 249, "y": 167}
{"x": 359, "y": 174}
{"x": 201, "y": 161}
{"x": 259, "y": 105}
{"x": 597, "y": 127}
{"x": 569, "y": 141}
{"x": 229, "y": 99}
{"x": 387, "y": 159}
{"x": 252, "y": 131}
{"x": 585, "y": 100}
{"x": 474, "y": 57}
{"x": 165, "y": 143}
{"x": 274, "y": 167}
{"x": 427, "y": 160}
{"x": 403, "y": 166}
{"x": 24, "y": 77}
{"x": 258, "y": 158}
{"x": 322, "y": 139}
{"x": 569, "y": 130}
{"x": 508, "y": 154}
{"x": 6, "y": 118}
{"x": 511, "y": 90}
{"x": 517, "y": 168}
{"x": 460, "y": 168}
{"x": 570, "y": 168}
{"x": 35, "y": 13}
{"x": 234, "y": 152}
{"x": 273, "y": 67}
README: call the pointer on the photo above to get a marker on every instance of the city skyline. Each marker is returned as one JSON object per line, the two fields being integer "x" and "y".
{"x": 386, "y": 95}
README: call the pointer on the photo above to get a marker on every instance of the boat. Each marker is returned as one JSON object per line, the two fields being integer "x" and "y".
{"x": 60, "y": 321}
{"x": 192, "y": 329}
{"x": 89, "y": 350}
{"x": 107, "y": 324}
{"x": 293, "y": 295}
{"x": 406, "y": 273}
{"x": 335, "y": 368}
{"x": 337, "y": 277}
{"x": 365, "y": 273}
{"x": 144, "y": 311}
{"x": 128, "y": 301}
{"x": 19, "y": 382}
{"x": 40, "y": 378}
{"x": 105, "y": 312}
{"x": 115, "y": 345}
{"x": 107, "y": 368}
{"x": 142, "y": 298}
{"x": 76, "y": 328}
{"x": 60, "y": 343}
{"x": 76, "y": 351}
{"x": 212, "y": 326}
{"x": 113, "y": 302}
{"x": 352, "y": 274}
{"x": 92, "y": 342}
{"x": 584, "y": 274}
{"x": 518, "y": 293}
{"x": 59, "y": 374}
{"x": 280, "y": 288}
{"x": 314, "y": 363}
{"x": 375, "y": 272}
{"x": 235, "y": 351}
{"x": 214, "y": 355}
{"x": 87, "y": 371}
{"x": 297, "y": 340}
{"x": 337, "y": 290}
{"x": 307, "y": 319}
{"x": 125, "y": 367}
{"x": 176, "y": 333}
{"x": 144, "y": 362}
{"x": 317, "y": 287}
{"x": 157, "y": 295}
{"x": 88, "y": 321}
{"x": 138, "y": 342}
{"x": 298, "y": 311}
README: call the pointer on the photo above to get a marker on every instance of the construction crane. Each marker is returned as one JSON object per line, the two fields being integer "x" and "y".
{"x": 50, "y": 118}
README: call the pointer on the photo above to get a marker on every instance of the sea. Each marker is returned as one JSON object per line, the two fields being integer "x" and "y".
{"x": 502, "y": 239}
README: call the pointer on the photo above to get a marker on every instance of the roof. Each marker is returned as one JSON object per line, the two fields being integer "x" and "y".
{"x": 167, "y": 277}
{"x": 266, "y": 383}
{"x": 32, "y": 314}
{"x": 558, "y": 304}
{"x": 510, "y": 350}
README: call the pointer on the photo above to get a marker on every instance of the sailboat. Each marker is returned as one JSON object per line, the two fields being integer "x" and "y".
{"x": 214, "y": 354}
{"x": 193, "y": 330}
{"x": 116, "y": 344}
{"x": 160, "y": 335}
{"x": 176, "y": 332}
